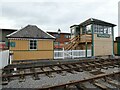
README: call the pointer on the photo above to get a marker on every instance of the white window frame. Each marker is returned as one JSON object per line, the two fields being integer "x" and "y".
{"x": 88, "y": 29}
{"x": 110, "y": 30}
{"x": 33, "y": 44}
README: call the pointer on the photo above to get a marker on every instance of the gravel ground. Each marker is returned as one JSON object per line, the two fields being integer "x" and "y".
{"x": 57, "y": 79}
{"x": 110, "y": 70}
{"x": 89, "y": 85}
{"x": 106, "y": 84}
{"x": 46, "y": 81}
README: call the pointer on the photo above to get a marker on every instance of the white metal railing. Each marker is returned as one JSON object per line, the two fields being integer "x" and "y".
{"x": 62, "y": 54}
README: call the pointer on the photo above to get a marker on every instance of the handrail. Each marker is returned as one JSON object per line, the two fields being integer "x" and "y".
{"x": 77, "y": 39}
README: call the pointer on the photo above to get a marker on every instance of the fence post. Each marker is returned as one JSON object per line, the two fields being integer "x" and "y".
{"x": 10, "y": 57}
{"x": 86, "y": 53}
{"x": 72, "y": 54}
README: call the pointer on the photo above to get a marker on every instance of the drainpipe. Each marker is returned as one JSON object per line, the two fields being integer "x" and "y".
{"x": 113, "y": 42}
{"x": 9, "y": 61}
{"x": 85, "y": 45}
{"x": 92, "y": 40}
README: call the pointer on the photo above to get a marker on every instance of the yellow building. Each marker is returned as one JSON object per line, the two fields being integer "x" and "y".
{"x": 31, "y": 43}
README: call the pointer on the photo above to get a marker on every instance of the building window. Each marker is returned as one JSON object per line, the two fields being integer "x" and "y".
{"x": 56, "y": 43}
{"x": 84, "y": 30}
{"x": 95, "y": 27}
{"x": 109, "y": 30}
{"x": 72, "y": 31}
{"x": 88, "y": 28}
{"x": 98, "y": 29}
{"x": 101, "y": 29}
{"x": 12, "y": 44}
{"x": 66, "y": 42}
{"x": 67, "y": 36}
{"x": 105, "y": 30}
{"x": 33, "y": 44}
{"x": 56, "y": 35}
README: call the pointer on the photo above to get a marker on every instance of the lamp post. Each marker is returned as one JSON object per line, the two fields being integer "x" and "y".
{"x": 59, "y": 31}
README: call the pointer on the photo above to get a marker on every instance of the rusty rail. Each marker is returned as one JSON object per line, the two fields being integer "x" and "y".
{"x": 80, "y": 81}
{"x": 79, "y": 66}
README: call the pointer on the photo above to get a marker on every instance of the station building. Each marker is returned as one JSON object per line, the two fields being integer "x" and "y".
{"x": 93, "y": 34}
{"x": 31, "y": 43}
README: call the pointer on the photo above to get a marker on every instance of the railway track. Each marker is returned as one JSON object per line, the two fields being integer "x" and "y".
{"x": 91, "y": 80}
{"x": 94, "y": 67}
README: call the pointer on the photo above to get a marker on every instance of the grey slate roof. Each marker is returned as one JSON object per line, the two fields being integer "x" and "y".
{"x": 30, "y": 31}
{"x": 94, "y": 21}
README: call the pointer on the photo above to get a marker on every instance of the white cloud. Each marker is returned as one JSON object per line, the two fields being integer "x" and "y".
{"x": 54, "y": 14}
{"x": 6, "y": 23}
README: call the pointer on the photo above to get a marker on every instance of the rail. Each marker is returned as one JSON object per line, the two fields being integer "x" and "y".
{"x": 34, "y": 70}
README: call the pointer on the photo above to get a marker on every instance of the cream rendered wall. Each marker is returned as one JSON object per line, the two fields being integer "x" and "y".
{"x": 102, "y": 46}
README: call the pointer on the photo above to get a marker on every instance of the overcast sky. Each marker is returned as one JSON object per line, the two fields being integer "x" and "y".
{"x": 49, "y": 15}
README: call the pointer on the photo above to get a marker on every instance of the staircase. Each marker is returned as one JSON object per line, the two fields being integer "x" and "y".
{"x": 74, "y": 42}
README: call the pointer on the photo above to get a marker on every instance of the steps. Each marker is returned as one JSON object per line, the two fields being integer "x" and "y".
{"x": 74, "y": 42}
